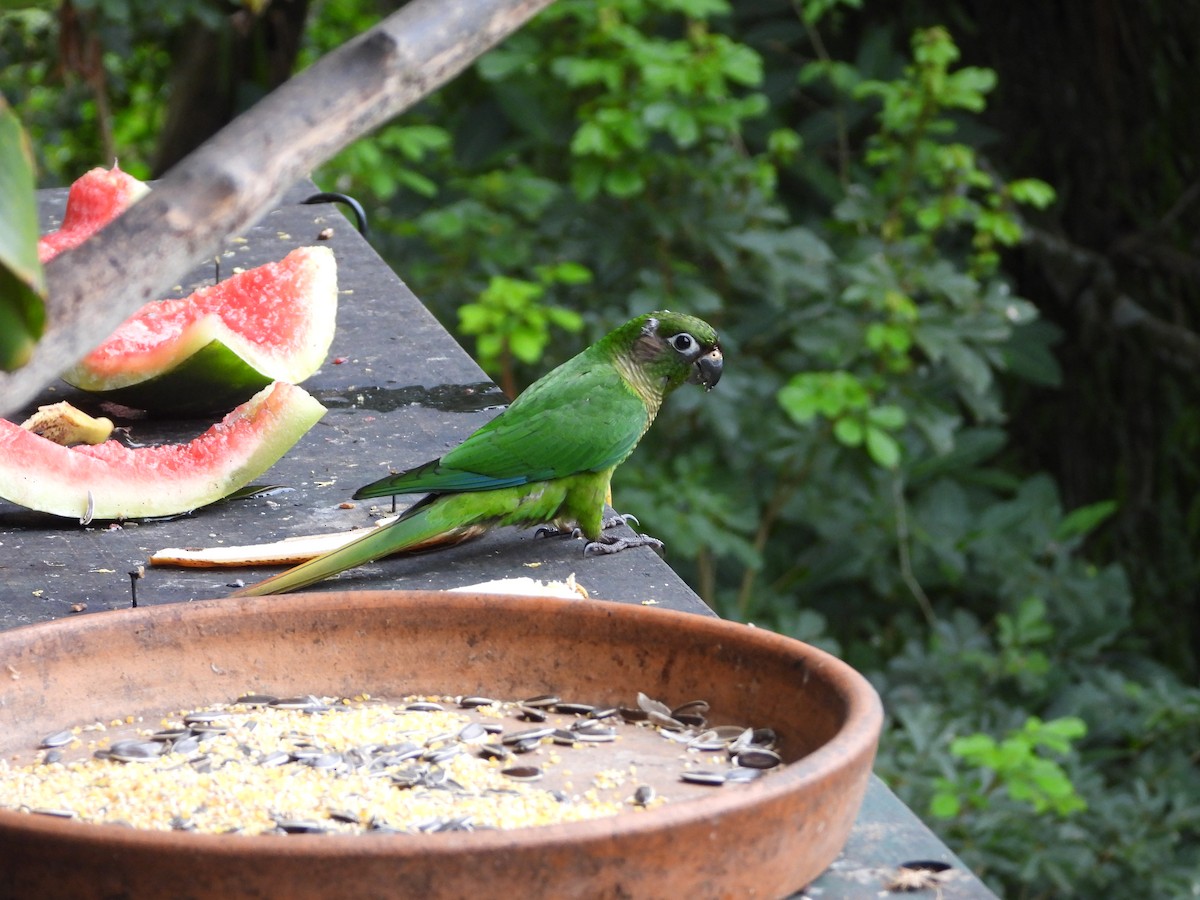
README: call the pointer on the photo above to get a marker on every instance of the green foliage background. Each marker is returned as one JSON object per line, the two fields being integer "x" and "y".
{"x": 855, "y": 481}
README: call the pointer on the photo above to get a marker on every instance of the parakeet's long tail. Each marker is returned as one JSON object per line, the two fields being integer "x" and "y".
{"x": 418, "y": 531}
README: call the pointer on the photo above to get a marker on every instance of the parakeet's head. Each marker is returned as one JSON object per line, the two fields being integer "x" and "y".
{"x": 674, "y": 347}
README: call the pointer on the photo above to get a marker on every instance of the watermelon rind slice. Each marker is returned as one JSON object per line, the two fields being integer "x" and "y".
{"x": 216, "y": 347}
{"x": 112, "y": 481}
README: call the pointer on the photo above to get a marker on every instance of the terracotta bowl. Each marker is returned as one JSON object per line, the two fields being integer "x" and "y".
{"x": 767, "y": 838}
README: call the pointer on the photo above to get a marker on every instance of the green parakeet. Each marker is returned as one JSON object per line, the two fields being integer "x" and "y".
{"x": 547, "y": 459}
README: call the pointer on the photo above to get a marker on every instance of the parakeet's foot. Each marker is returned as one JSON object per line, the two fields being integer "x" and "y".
{"x": 614, "y": 521}
{"x": 612, "y": 544}
{"x": 607, "y": 545}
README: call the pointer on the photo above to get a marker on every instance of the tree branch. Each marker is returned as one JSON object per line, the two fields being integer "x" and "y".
{"x": 236, "y": 177}
{"x": 1087, "y": 282}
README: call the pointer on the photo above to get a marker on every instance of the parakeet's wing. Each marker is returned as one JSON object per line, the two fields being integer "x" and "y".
{"x": 582, "y": 417}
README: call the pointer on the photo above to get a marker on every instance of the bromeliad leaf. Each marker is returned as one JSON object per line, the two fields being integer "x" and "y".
{"x": 22, "y": 281}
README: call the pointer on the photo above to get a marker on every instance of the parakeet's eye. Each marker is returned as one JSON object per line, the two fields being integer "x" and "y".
{"x": 683, "y": 342}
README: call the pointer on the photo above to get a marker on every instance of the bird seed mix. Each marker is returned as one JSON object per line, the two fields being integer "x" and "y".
{"x": 304, "y": 765}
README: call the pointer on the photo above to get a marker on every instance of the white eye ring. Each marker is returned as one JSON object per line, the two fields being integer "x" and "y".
{"x": 683, "y": 342}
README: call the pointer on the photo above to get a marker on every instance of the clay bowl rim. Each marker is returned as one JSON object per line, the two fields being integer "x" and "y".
{"x": 858, "y": 736}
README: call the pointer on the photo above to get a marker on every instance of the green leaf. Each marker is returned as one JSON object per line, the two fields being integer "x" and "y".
{"x": 566, "y": 319}
{"x": 882, "y": 448}
{"x": 967, "y": 88}
{"x": 743, "y": 65}
{"x": 889, "y": 417}
{"x": 587, "y": 178}
{"x": 849, "y": 431}
{"x": 973, "y": 747}
{"x": 624, "y": 182}
{"x": 22, "y": 281}
{"x": 473, "y": 319}
{"x": 698, "y": 9}
{"x": 504, "y": 62}
{"x": 594, "y": 140}
{"x": 1032, "y": 191}
{"x": 565, "y": 273}
{"x": 416, "y": 182}
{"x": 798, "y": 401}
{"x": 1029, "y": 355}
{"x": 784, "y": 143}
{"x": 1085, "y": 519}
{"x": 683, "y": 127}
{"x": 527, "y": 344}
{"x": 944, "y": 805}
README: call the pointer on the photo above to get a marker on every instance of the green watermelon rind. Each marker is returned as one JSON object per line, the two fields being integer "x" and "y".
{"x": 212, "y": 377}
{"x": 210, "y": 366}
{"x": 111, "y": 481}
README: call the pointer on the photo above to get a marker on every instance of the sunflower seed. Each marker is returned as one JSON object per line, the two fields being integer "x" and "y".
{"x": 322, "y": 761}
{"x": 764, "y": 737}
{"x": 757, "y": 758}
{"x": 541, "y": 700}
{"x": 702, "y": 776}
{"x": 597, "y": 736}
{"x": 58, "y": 739}
{"x": 650, "y": 705}
{"x": 301, "y": 826}
{"x": 529, "y": 734}
{"x": 692, "y": 707}
{"x": 475, "y": 702}
{"x": 136, "y": 751}
{"x": 441, "y": 754}
{"x": 171, "y": 734}
{"x": 492, "y": 751}
{"x": 741, "y": 775}
{"x": 256, "y": 700}
{"x": 574, "y": 709}
{"x": 472, "y": 733}
{"x": 665, "y": 720}
{"x": 424, "y": 706}
{"x": 531, "y": 714}
{"x": 56, "y": 813}
{"x": 522, "y": 773}
{"x": 275, "y": 758}
{"x": 307, "y": 703}
{"x": 189, "y": 744}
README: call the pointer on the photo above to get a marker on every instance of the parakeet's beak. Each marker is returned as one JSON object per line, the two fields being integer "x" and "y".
{"x": 708, "y": 369}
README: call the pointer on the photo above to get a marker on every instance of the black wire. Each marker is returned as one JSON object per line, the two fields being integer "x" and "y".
{"x": 360, "y": 215}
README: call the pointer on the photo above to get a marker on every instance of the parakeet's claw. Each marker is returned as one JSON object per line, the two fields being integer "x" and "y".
{"x": 608, "y": 545}
{"x": 620, "y": 519}
{"x": 615, "y": 521}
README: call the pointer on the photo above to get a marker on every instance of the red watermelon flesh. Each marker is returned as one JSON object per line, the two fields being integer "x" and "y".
{"x": 95, "y": 199}
{"x": 112, "y": 481}
{"x": 273, "y": 322}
